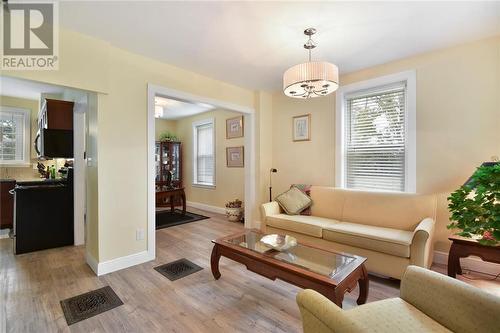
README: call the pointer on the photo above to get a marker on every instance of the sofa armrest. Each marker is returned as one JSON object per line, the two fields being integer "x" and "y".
{"x": 267, "y": 209}
{"x": 320, "y": 315}
{"x": 454, "y": 304}
{"x": 422, "y": 244}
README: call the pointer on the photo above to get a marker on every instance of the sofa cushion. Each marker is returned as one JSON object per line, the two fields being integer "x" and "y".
{"x": 307, "y": 225}
{"x": 387, "y": 240}
{"x": 327, "y": 202}
{"x": 392, "y": 315}
{"x": 385, "y": 209}
{"x": 293, "y": 201}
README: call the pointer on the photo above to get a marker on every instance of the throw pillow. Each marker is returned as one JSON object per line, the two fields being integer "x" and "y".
{"x": 293, "y": 201}
{"x": 307, "y": 191}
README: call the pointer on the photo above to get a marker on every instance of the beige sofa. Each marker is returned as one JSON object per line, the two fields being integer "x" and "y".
{"x": 393, "y": 230}
{"x": 428, "y": 302}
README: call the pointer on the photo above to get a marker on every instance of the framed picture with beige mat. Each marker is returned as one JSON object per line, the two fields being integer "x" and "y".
{"x": 234, "y": 127}
{"x": 302, "y": 128}
{"x": 235, "y": 157}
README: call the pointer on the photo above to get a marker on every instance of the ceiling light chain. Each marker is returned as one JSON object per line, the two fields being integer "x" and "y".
{"x": 311, "y": 79}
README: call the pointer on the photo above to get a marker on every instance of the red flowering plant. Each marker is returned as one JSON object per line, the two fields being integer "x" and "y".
{"x": 475, "y": 206}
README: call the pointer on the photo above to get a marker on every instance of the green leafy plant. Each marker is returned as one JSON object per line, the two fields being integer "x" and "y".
{"x": 475, "y": 206}
{"x": 168, "y": 136}
{"x": 236, "y": 203}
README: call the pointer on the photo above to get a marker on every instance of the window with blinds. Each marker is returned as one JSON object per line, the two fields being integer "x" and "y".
{"x": 375, "y": 138}
{"x": 14, "y": 136}
{"x": 204, "y": 153}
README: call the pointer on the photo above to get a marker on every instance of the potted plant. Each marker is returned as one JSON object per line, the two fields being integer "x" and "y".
{"x": 475, "y": 206}
{"x": 234, "y": 210}
{"x": 168, "y": 136}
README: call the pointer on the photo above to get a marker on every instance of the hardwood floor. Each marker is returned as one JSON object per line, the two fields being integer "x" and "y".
{"x": 32, "y": 285}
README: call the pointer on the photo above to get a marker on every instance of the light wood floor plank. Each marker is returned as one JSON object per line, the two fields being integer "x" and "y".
{"x": 31, "y": 286}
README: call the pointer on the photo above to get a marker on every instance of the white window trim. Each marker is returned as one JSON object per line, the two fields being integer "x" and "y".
{"x": 195, "y": 153}
{"x": 27, "y": 138}
{"x": 411, "y": 107}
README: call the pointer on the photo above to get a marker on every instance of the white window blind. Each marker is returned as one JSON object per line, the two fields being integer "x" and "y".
{"x": 14, "y": 136}
{"x": 375, "y": 138}
{"x": 204, "y": 173}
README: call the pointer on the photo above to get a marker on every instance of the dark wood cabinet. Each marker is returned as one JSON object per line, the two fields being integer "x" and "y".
{"x": 6, "y": 204}
{"x": 56, "y": 114}
{"x": 168, "y": 158}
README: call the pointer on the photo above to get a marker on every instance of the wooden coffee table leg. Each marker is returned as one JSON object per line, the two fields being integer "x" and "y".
{"x": 363, "y": 286}
{"x": 338, "y": 297}
{"x": 214, "y": 262}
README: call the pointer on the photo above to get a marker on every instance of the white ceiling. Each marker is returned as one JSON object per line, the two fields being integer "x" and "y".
{"x": 171, "y": 109}
{"x": 26, "y": 89}
{"x": 250, "y": 44}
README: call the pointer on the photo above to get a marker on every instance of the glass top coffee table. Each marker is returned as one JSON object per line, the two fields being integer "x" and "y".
{"x": 329, "y": 273}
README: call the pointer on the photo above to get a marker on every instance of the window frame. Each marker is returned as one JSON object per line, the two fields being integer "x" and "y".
{"x": 195, "y": 126}
{"x": 410, "y": 122}
{"x": 26, "y": 138}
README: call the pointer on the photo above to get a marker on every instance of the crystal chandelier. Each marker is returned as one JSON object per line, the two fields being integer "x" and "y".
{"x": 312, "y": 78}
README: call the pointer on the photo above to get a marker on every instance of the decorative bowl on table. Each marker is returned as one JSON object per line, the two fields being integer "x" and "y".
{"x": 279, "y": 242}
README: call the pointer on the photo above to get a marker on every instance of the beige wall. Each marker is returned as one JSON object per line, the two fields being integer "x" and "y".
{"x": 22, "y": 173}
{"x": 457, "y": 114}
{"x": 164, "y": 125}
{"x": 121, "y": 79}
{"x": 458, "y": 123}
{"x": 303, "y": 162}
{"x": 230, "y": 182}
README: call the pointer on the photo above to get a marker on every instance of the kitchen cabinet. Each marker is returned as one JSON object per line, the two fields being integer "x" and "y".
{"x": 54, "y": 137}
{"x": 56, "y": 114}
{"x": 6, "y": 203}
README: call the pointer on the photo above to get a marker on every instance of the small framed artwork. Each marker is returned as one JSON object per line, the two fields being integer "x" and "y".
{"x": 234, "y": 127}
{"x": 302, "y": 128}
{"x": 235, "y": 157}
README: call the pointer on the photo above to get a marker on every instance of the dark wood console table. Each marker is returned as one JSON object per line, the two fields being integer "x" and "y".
{"x": 171, "y": 194}
{"x": 463, "y": 247}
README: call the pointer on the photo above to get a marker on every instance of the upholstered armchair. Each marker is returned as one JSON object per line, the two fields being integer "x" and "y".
{"x": 428, "y": 302}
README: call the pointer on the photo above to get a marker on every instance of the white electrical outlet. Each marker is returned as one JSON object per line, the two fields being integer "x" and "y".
{"x": 139, "y": 234}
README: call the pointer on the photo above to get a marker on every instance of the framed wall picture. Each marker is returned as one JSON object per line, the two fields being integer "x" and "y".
{"x": 235, "y": 157}
{"x": 302, "y": 128}
{"x": 234, "y": 127}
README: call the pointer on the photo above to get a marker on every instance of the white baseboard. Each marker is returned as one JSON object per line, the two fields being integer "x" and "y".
{"x": 101, "y": 268}
{"x": 472, "y": 263}
{"x": 91, "y": 261}
{"x": 208, "y": 208}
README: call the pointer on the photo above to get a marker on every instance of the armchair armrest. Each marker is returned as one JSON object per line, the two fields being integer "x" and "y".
{"x": 454, "y": 304}
{"x": 422, "y": 244}
{"x": 320, "y": 315}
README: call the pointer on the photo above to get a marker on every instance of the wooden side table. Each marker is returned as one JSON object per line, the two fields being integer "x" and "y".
{"x": 172, "y": 193}
{"x": 463, "y": 247}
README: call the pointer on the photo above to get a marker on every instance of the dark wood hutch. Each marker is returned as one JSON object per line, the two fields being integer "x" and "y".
{"x": 168, "y": 158}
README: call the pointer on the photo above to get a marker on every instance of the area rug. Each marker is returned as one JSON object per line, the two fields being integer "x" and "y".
{"x": 90, "y": 304}
{"x": 165, "y": 219}
{"x": 178, "y": 269}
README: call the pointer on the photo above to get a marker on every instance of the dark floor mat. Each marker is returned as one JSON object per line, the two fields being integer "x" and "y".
{"x": 178, "y": 269}
{"x": 165, "y": 219}
{"x": 87, "y": 305}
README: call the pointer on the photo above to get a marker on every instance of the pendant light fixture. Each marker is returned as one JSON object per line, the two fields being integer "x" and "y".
{"x": 312, "y": 78}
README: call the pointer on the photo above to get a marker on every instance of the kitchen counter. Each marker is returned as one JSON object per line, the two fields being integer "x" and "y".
{"x": 41, "y": 182}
